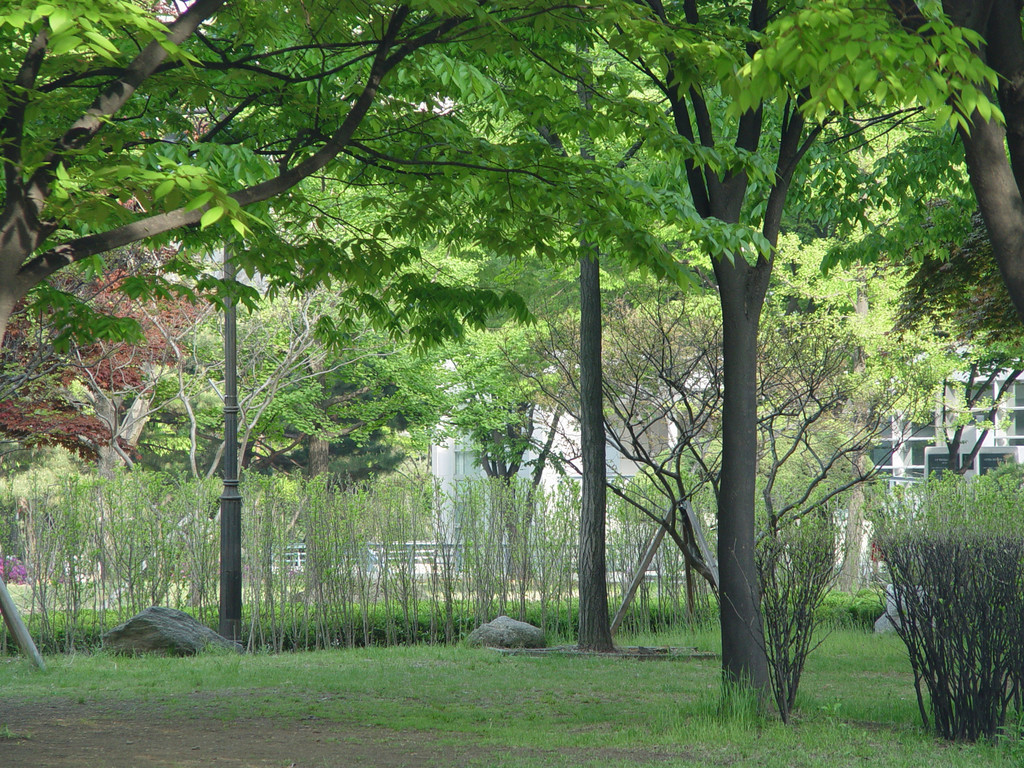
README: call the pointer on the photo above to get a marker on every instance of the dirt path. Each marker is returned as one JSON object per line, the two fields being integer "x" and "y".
{"x": 62, "y": 734}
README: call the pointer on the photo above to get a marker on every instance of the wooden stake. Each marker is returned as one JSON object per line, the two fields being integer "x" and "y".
{"x": 702, "y": 544}
{"x": 652, "y": 548}
{"x": 641, "y": 571}
{"x": 17, "y": 627}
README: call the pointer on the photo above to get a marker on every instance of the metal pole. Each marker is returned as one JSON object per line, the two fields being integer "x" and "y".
{"x": 231, "y": 499}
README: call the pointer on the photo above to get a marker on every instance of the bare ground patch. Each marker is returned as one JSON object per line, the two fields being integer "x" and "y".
{"x": 64, "y": 734}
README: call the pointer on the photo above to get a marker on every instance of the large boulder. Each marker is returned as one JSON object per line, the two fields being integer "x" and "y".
{"x": 504, "y": 632}
{"x": 163, "y": 631}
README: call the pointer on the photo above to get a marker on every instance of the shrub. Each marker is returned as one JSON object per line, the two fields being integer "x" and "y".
{"x": 955, "y": 554}
{"x": 958, "y": 595}
{"x": 842, "y": 610}
{"x": 796, "y": 567}
{"x": 391, "y": 561}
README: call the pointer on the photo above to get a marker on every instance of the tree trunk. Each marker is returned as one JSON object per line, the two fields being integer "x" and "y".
{"x": 849, "y": 576}
{"x": 319, "y": 447}
{"x": 741, "y": 292}
{"x": 319, "y": 451}
{"x": 1000, "y": 203}
{"x": 107, "y": 461}
{"x": 995, "y": 178}
{"x": 853, "y": 540}
{"x": 125, "y": 430}
{"x": 594, "y": 623}
{"x": 8, "y": 300}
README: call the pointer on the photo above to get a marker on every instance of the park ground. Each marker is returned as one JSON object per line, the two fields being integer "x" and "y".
{"x": 462, "y": 707}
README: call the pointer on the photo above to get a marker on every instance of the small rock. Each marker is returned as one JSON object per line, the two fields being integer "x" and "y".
{"x": 163, "y": 631}
{"x": 504, "y": 632}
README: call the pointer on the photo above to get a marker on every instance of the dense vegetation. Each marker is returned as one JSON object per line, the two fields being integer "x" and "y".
{"x": 156, "y": 544}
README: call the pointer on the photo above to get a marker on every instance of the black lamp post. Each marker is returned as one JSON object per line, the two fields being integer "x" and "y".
{"x": 230, "y": 499}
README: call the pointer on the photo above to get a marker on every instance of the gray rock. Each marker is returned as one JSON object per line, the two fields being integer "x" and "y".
{"x": 890, "y": 620}
{"x": 163, "y": 631}
{"x": 504, "y": 632}
{"x": 884, "y": 623}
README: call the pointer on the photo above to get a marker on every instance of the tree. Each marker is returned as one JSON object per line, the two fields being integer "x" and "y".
{"x": 111, "y": 383}
{"x": 960, "y": 292}
{"x": 236, "y": 104}
{"x": 121, "y": 382}
{"x": 352, "y": 390}
{"x": 996, "y": 175}
{"x": 730, "y": 100}
{"x": 500, "y": 411}
{"x": 825, "y": 395}
{"x": 374, "y": 406}
{"x": 39, "y": 374}
{"x": 798, "y": 69}
{"x": 712, "y": 155}
{"x": 661, "y": 395}
{"x": 594, "y": 628}
{"x": 28, "y": 355}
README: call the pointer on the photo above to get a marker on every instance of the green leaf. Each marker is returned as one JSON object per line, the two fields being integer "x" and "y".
{"x": 835, "y": 98}
{"x": 59, "y": 20}
{"x": 101, "y": 41}
{"x": 64, "y": 43}
{"x": 199, "y": 201}
{"x": 163, "y": 189}
{"x": 211, "y": 216}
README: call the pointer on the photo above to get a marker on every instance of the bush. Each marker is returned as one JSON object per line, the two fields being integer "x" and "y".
{"x": 12, "y": 570}
{"x": 389, "y": 562}
{"x": 796, "y": 567}
{"x": 958, "y": 595}
{"x": 841, "y": 610}
{"x": 377, "y": 626}
{"x": 955, "y": 554}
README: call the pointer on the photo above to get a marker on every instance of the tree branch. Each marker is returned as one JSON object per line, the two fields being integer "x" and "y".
{"x": 69, "y": 252}
{"x": 13, "y": 121}
{"x": 117, "y": 94}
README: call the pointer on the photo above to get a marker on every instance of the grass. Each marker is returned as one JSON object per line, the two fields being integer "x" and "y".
{"x": 6, "y": 733}
{"x": 857, "y": 704}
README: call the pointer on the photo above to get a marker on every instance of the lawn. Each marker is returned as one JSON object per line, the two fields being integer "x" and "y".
{"x": 430, "y": 706}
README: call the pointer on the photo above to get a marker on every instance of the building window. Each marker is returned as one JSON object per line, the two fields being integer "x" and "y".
{"x": 465, "y": 463}
{"x": 1015, "y": 416}
{"x": 919, "y": 437}
{"x": 882, "y": 454}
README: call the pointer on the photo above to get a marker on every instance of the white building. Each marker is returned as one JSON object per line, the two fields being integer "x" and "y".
{"x": 454, "y": 460}
{"x": 912, "y": 451}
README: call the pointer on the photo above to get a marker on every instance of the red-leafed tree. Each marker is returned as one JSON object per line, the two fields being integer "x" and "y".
{"x": 33, "y": 379}
{"x": 43, "y": 416}
{"x": 94, "y": 396}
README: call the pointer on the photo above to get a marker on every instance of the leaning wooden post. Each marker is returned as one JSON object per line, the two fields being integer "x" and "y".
{"x": 702, "y": 544}
{"x": 17, "y": 627}
{"x": 641, "y": 571}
